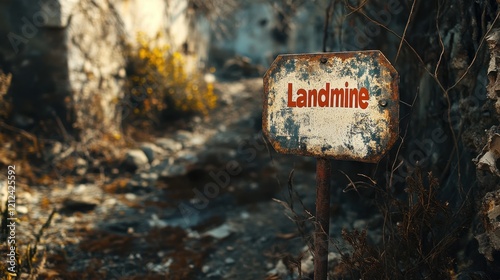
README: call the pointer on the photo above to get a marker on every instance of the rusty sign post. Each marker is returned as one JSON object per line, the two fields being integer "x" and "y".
{"x": 331, "y": 105}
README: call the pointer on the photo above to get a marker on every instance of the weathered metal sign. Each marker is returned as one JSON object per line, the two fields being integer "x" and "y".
{"x": 340, "y": 105}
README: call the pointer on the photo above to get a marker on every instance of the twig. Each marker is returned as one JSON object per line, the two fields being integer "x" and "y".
{"x": 441, "y": 44}
{"x": 406, "y": 27}
{"x": 350, "y": 184}
{"x": 354, "y": 9}
{"x": 23, "y": 133}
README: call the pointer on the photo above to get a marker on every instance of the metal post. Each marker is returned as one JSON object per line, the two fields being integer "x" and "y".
{"x": 323, "y": 176}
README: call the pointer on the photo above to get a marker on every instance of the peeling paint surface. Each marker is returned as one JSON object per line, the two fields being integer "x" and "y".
{"x": 337, "y": 132}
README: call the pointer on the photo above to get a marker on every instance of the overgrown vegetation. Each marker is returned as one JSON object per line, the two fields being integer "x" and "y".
{"x": 160, "y": 84}
{"x": 419, "y": 229}
{"x": 28, "y": 259}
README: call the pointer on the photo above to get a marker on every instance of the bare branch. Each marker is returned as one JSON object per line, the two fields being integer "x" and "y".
{"x": 406, "y": 27}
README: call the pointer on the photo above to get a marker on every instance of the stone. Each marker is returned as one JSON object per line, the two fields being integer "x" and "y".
{"x": 187, "y": 157}
{"x": 152, "y": 151}
{"x": 244, "y": 215}
{"x": 149, "y": 176}
{"x": 279, "y": 270}
{"x": 169, "y": 144}
{"x": 229, "y": 261}
{"x": 189, "y": 139}
{"x": 205, "y": 269}
{"x": 21, "y": 209}
{"x": 219, "y": 232}
{"x": 174, "y": 170}
{"x": 359, "y": 224}
{"x": 307, "y": 263}
{"x": 136, "y": 159}
{"x": 156, "y": 222}
{"x": 81, "y": 166}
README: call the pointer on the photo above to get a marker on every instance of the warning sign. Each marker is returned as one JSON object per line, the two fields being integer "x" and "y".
{"x": 335, "y": 105}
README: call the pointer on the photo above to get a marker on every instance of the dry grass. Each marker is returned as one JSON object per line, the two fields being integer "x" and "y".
{"x": 420, "y": 231}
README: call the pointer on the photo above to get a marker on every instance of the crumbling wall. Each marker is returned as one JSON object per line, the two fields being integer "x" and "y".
{"x": 68, "y": 57}
{"x": 488, "y": 160}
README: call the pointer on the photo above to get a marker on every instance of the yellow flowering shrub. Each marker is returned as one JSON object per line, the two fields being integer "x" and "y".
{"x": 160, "y": 85}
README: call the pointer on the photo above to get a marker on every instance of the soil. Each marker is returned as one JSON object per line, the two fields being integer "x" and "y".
{"x": 175, "y": 219}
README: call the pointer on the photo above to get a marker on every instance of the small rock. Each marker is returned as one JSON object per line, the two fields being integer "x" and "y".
{"x": 189, "y": 139}
{"x": 222, "y": 127}
{"x": 81, "y": 167}
{"x": 136, "y": 159}
{"x": 229, "y": 261}
{"x": 21, "y": 209}
{"x": 150, "y": 176}
{"x": 205, "y": 269}
{"x": 307, "y": 264}
{"x": 169, "y": 144}
{"x": 215, "y": 274}
{"x": 332, "y": 256}
{"x": 183, "y": 135}
{"x": 188, "y": 157}
{"x": 160, "y": 268}
{"x": 198, "y": 139}
{"x": 156, "y": 222}
{"x": 130, "y": 196}
{"x": 193, "y": 234}
{"x": 279, "y": 270}
{"x": 174, "y": 170}
{"x": 359, "y": 224}
{"x": 244, "y": 215}
{"x": 56, "y": 148}
{"x": 152, "y": 151}
{"x": 220, "y": 232}
{"x": 134, "y": 183}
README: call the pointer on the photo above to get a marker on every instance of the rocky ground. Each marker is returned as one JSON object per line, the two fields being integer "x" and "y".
{"x": 198, "y": 203}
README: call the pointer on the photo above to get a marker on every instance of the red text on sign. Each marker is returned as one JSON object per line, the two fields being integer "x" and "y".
{"x": 326, "y": 97}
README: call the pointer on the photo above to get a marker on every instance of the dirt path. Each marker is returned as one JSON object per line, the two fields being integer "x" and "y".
{"x": 203, "y": 209}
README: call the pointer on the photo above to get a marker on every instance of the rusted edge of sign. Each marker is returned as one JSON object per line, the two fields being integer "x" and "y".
{"x": 392, "y": 105}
